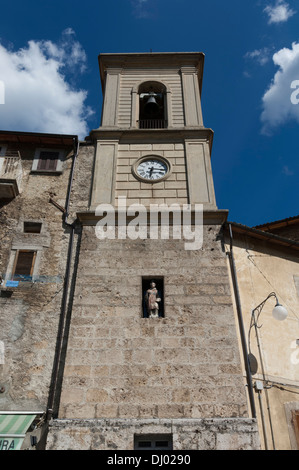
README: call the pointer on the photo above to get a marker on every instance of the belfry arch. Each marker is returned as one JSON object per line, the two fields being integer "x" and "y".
{"x": 151, "y": 105}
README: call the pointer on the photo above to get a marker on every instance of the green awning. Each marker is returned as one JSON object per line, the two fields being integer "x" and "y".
{"x": 13, "y": 428}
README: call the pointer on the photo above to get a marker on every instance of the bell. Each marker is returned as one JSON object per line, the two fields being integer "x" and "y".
{"x": 151, "y": 106}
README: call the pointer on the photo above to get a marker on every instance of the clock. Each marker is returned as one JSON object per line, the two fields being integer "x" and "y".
{"x": 151, "y": 169}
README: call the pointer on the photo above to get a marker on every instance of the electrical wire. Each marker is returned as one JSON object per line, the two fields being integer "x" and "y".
{"x": 250, "y": 257}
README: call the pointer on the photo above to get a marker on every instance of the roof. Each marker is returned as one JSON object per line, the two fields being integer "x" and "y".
{"x": 278, "y": 223}
{"x": 263, "y": 235}
{"x": 37, "y": 138}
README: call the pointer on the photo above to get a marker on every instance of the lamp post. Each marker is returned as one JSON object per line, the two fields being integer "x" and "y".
{"x": 280, "y": 314}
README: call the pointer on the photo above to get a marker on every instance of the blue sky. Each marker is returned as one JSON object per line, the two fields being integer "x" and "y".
{"x": 49, "y": 68}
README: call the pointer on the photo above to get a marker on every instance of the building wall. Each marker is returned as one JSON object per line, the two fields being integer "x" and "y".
{"x": 120, "y": 373}
{"x": 181, "y": 75}
{"x": 187, "y": 434}
{"x": 123, "y": 372}
{"x": 172, "y": 190}
{"x": 30, "y": 312}
{"x": 121, "y": 365}
{"x": 190, "y": 181}
{"x": 171, "y": 78}
{"x": 262, "y": 269}
{"x": 82, "y": 180}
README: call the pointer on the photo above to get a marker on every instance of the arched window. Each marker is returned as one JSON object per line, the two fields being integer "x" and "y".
{"x": 152, "y": 106}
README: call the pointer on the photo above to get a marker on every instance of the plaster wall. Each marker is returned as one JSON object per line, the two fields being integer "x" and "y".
{"x": 30, "y": 312}
{"x": 262, "y": 269}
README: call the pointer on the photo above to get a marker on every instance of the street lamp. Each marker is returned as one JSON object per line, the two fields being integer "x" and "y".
{"x": 280, "y": 314}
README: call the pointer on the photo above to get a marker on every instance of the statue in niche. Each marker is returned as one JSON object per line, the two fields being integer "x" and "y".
{"x": 151, "y": 301}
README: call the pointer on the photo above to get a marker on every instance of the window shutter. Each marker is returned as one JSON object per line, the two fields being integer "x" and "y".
{"x": 25, "y": 263}
{"x": 296, "y": 425}
{"x": 47, "y": 161}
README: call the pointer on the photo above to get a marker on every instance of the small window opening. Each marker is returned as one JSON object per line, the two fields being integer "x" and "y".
{"x": 152, "y": 297}
{"x": 143, "y": 444}
{"x": 153, "y": 441}
{"x": 32, "y": 227}
{"x": 161, "y": 444}
{"x": 24, "y": 264}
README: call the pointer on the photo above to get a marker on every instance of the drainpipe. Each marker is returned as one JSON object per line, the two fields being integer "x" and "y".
{"x": 241, "y": 324}
{"x": 61, "y": 328}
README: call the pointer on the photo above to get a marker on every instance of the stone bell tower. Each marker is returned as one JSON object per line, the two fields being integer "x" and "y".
{"x": 152, "y": 112}
{"x": 166, "y": 375}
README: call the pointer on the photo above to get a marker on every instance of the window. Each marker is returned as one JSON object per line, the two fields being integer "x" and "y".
{"x": 47, "y": 161}
{"x": 153, "y": 441}
{"x": 32, "y": 227}
{"x": 292, "y": 419}
{"x": 24, "y": 264}
{"x": 295, "y": 419}
{"x": 152, "y": 106}
{"x": 152, "y": 297}
{"x": 2, "y": 150}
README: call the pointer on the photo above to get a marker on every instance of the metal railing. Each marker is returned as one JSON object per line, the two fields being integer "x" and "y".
{"x": 152, "y": 124}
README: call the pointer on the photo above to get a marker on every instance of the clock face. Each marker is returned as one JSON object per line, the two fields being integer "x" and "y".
{"x": 152, "y": 169}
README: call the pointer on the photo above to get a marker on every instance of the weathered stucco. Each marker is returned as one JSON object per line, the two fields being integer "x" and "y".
{"x": 30, "y": 312}
{"x": 263, "y": 267}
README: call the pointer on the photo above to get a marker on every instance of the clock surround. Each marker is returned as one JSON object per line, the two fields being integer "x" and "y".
{"x": 151, "y": 169}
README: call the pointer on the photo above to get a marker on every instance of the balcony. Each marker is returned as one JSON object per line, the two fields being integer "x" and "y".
{"x": 10, "y": 174}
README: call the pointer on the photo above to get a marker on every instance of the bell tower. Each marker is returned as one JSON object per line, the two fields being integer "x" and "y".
{"x": 152, "y": 358}
{"x": 152, "y": 115}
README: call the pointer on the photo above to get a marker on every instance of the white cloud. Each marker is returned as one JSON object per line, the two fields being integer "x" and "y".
{"x": 262, "y": 56}
{"x": 38, "y": 94}
{"x": 280, "y": 101}
{"x": 280, "y": 12}
{"x": 139, "y": 8}
{"x": 286, "y": 171}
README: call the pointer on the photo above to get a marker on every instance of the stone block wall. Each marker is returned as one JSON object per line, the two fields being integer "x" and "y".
{"x": 172, "y": 190}
{"x": 121, "y": 365}
{"x": 187, "y": 434}
{"x": 82, "y": 179}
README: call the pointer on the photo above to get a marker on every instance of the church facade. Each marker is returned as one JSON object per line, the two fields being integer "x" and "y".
{"x": 120, "y": 326}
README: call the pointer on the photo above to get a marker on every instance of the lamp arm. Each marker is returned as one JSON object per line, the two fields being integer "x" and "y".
{"x": 254, "y": 319}
{"x": 254, "y": 323}
{"x": 261, "y": 305}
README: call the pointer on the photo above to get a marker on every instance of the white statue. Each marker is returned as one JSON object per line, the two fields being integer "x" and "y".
{"x": 151, "y": 300}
